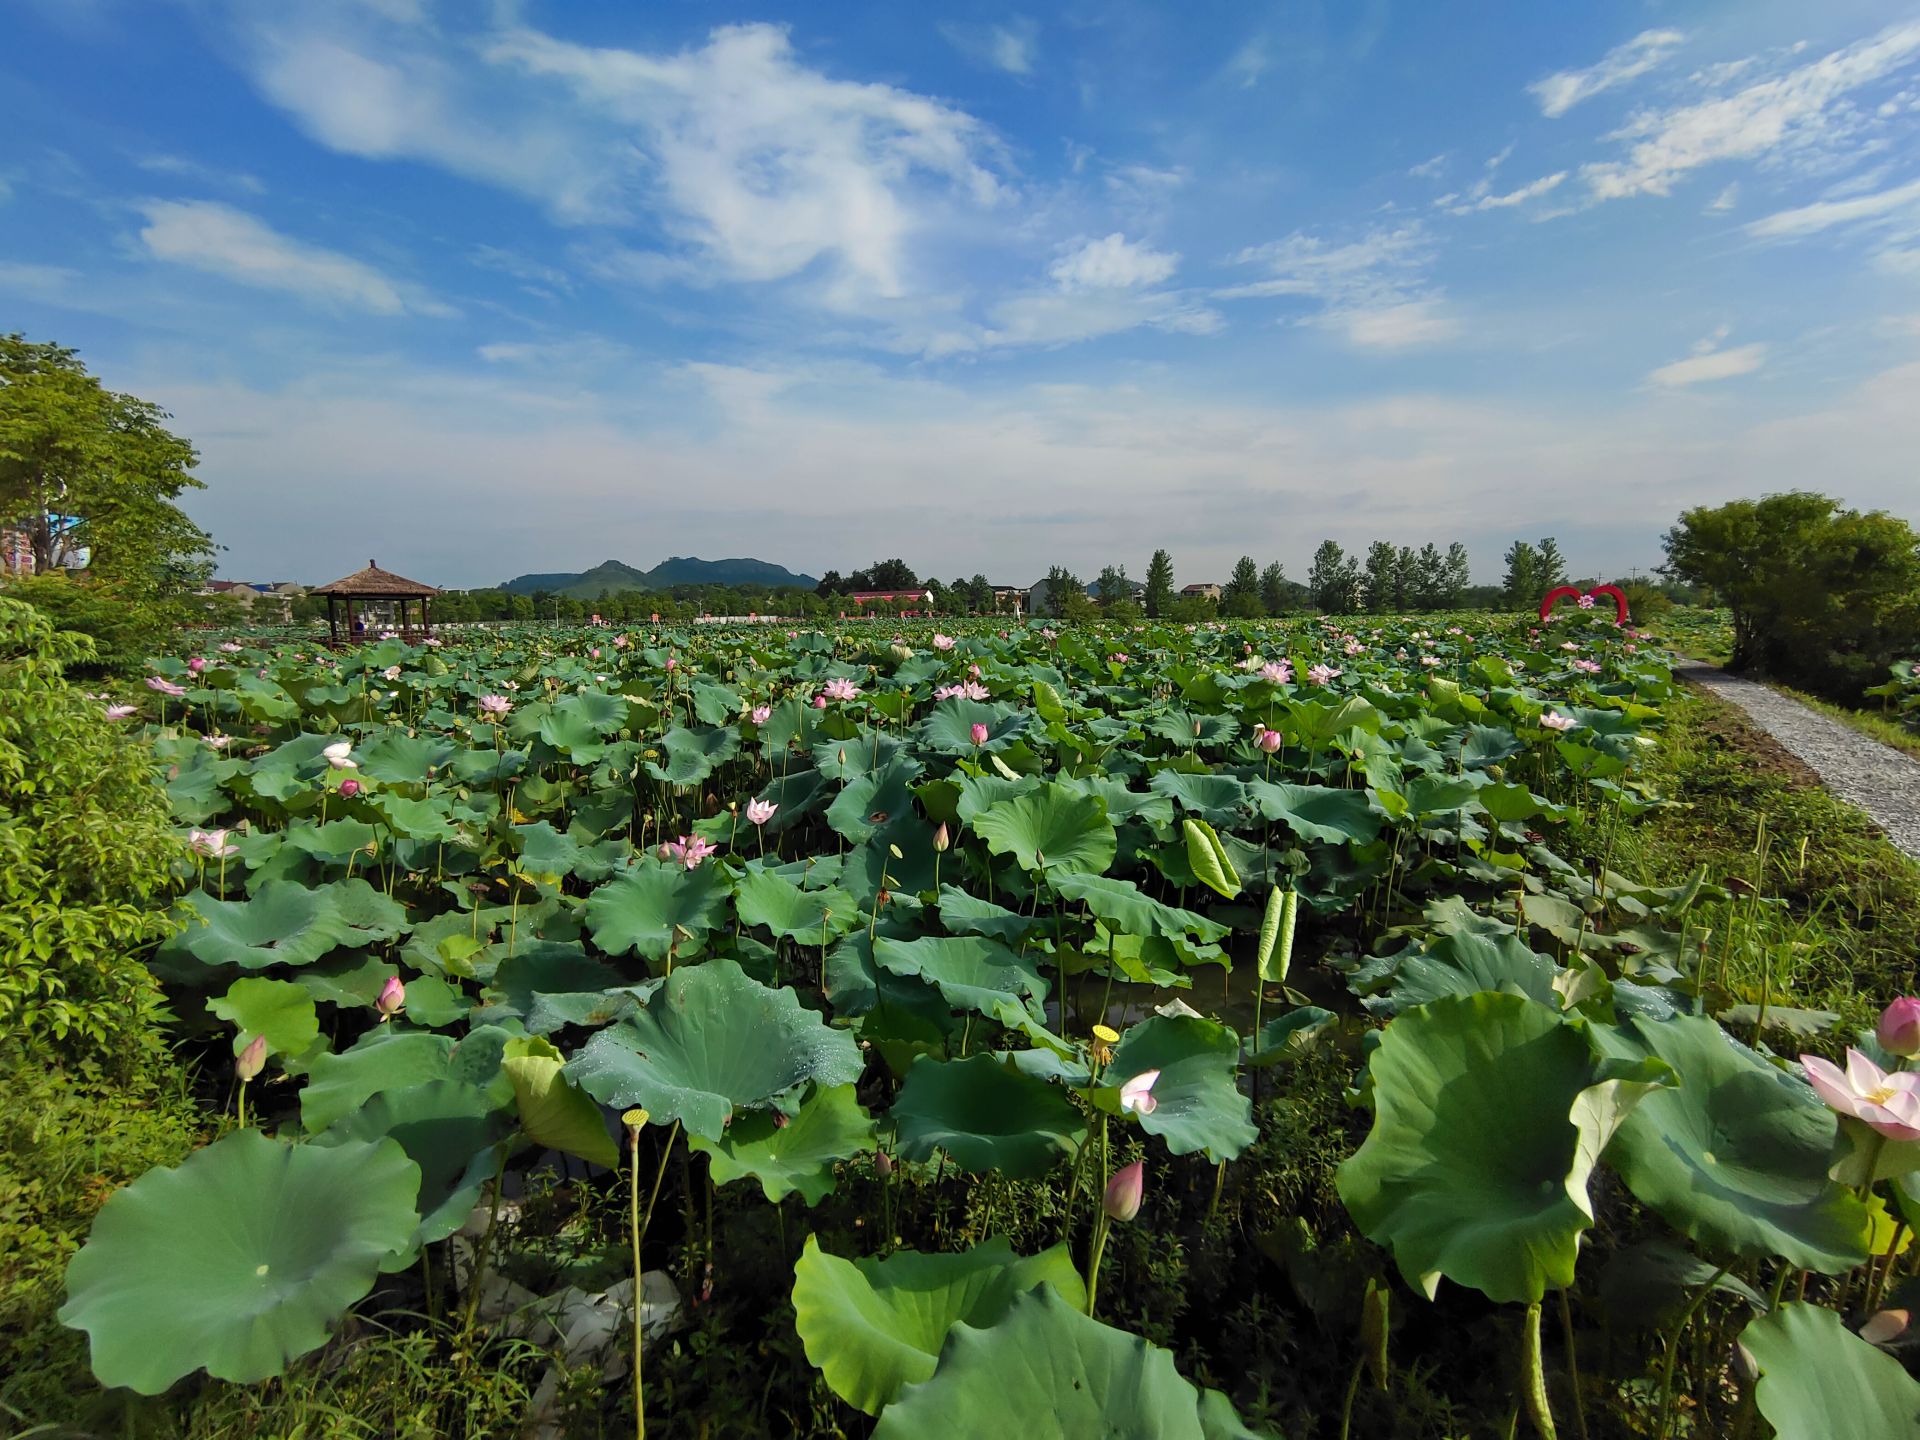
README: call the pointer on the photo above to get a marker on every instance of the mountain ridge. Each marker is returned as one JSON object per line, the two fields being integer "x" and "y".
{"x": 616, "y": 575}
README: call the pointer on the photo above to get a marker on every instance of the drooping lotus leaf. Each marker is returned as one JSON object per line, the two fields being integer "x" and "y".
{"x": 1208, "y": 858}
{"x": 1652, "y": 1282}
{"x": 971, "y": 972}
{"x": 873, "y": 1325}
{"x": 1489, "y": 1115}
{"x": 813, "y": 917}
{"x": 284, "y": 923}
{"x": 278, "y": 1009}
{"x": 389, "y": 1059}
{"x": 1321, "y": 813}
{"x": 710, "y": 1040}
{"x": 690, "y": 756}
{"x": 554, "y": 1111}
{"x": 1198, "y": 1104}
{"x": 645, "y": 909}
{"x": 1820, "y": 1381}
{"x": 1288, "y": 1036}
{"x": 1463, "y": 964}
{"x": 1735, "y": 1156}
{"x": 1052, "y": 828}
{"x": 1044, "y": 1359}
{"x": 449, "y": 1129}
{"x": 987, "y": 1115}
{"x": 1131, "y": 911}
{"x": 964, "y": 914}
{"x": 798, "y": 1156}
{"x": 548, "y": 984}
{"x": 238, "y": 1260}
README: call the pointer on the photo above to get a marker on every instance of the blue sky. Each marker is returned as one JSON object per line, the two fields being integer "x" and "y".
{"x": 480, "y": 287}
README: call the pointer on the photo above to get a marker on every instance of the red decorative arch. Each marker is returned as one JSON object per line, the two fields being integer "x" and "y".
{"x": 1574, "y": 592}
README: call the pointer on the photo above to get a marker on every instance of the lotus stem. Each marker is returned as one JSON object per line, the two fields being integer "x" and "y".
{"x": 1533, "y": 1394}
{"x": 1673, "y": 1352}
{"x": 633, "y": 1226}
{"x": 1573, "y": 1366}
{"x": 1100, "y": 1227}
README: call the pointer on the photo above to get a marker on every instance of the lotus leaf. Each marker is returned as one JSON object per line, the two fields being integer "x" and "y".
{"x": 645, "y": 909}
{"x": 1199, "y": 1105}
{"x": 798, "y": 1156}
{"x": 1820, "y": 1381}
{"x": 987, "y": 1115}
{"x": 1052, "y": 828}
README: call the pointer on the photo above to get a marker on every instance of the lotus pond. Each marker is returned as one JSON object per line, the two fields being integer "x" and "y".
{"x": 1200, "y": 1032}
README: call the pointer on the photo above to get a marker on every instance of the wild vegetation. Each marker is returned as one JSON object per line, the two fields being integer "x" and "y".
{"x": 1316, "y": 1029}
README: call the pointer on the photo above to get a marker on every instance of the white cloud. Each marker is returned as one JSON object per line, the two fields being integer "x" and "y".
{"x": 1013, "y": 47}
{"x": 1533, "y": 189}
{"x": 1429, "y": 169}
{"x": 1112, "y": 262}
{"x": 1824, "y": 215}
{"x": 1373, "y": 290}
{"x": 1560, "y": 92}
{"x": 185, "y": 169}
{"x": 1397, "y": 327}
{"x": 755, "y": 162}
{"x": 1248, "y": 63}
{"x": 1803, "y": 107}
{"x": 1710, "y": 364}
{"x": 234, "y": 245}
{"x": 1725, "y": 200}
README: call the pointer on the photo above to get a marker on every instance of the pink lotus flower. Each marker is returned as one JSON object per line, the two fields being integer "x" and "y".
{"x": 213, "y": 844}
{"x": 231, "y": 648}
{"x": 1280, "y": 672}
{"x": 392, "y": 672}
{"x": 1899, "y": 1027}
{"x": 393, "y": 998}
{"x": 941, "y": 840}
{"x": 1890, "y": 1103}
{"x": 1585, "y": 602}
{"x": 165, "y": 687}
{"x": 979, "y": 733}
{"x": 1553, "y": 720}
{"x": 197, "y": 664}
{"x": 1125, "y": 1191}
{"x": 1354, "y": 647}
{"x": 620, "y": 642}
{"x": 840, "y": 688}
{"x": 966, "y": 691}
{"x": 252, "y": 1060}
{"x": 1430, "y": 661}
{"x": 943, "y": 642}
{"x": 1136, "y": 1096}
{"x": 761, "y": 714}
{"x": 819, "y": 702}
{"x": 120, "y": 712}
{"x": 349, "y": 789}
{"x": 495, "y": 706}
{"x": 1321, "y": 674}
{"x": 217, "y": 742}
{"x": 688, "y": 850}
{"x": 672, "y": 664}
{"x": 760, "y": 811}
{"x": 1587, "y": 667}
{"x": 1119, "y": 657}
{"x": 1268, "y": 740}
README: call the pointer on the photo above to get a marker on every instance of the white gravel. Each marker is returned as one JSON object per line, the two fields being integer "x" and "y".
{"x": 1876, "y": 778}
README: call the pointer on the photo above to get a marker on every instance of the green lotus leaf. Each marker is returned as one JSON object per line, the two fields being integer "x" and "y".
{"x": 873, "y": 1325}
{"x": 972, "y": 973}
{"x": 396, "y": 758}
{"x": 1484, "y": 745}
{"x": 1130, "y": 911}
{"x": 692, "y": 755}
{"x": 1217, "y": 799}
{"x": 428, "y": 819}
{"x": 1820, "y": 1381}
{"x": 961, "y": 913}
{"x": 1186, "y": 730}
{"x": 1288, "y": 1036}
{"x": 867, "y": 803}
{"x": 812, "y": 917}
{"x": 1044, "y": 1358}
{"x": 1050, "y": 828}
{"x": 371, "y": 917}
{"x": 715, "y": 704}
{"x": 1465, "y": 964}
{"x": 283, "y": 923}
{"x": 333, "y": 842}
{"x": 978, "y": 792}
{"x": 451, "y": 1130}
{"x": 547, "y": 851}
{"x": 645, "y": 909}
{"x": 1509, "y": 803}
{"x": 798, "y": 1156}
{"x": 554, "y": 1111}
{"x": 391, "y": 1059}
{"x": 1208, "y": 858}
{"x": 1198, "y": 1104}
{"x": 278, "y": 1009}
{"x": 710, "y": 1040}
{"x": 987, "y": 1115}
{"x": 550, "y": 984}
{"x": 1489, "y": 1115}
{"x": 238, "y": 1260}
{"x": 1319, "y": 813}
{"x": 1735, "y": 1156}
{"x": 580, "y": 723}
{"x": 862, "y": 750}
{"x": 948, "y": 728}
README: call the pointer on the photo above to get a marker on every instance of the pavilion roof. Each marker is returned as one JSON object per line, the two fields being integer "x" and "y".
{"x": 375, "y": 583}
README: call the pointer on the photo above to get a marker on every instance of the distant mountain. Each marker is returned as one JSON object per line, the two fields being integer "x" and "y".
{"x": 612, "y": 575}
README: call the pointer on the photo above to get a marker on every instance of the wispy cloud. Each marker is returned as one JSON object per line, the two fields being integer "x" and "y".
{"x": 1709, "y": 362}
{"x": 1247, "y": 64}
{"x": 1558, "y": 93}
{"x": 1803, "y": 107}
{"x": 1826, "y": 214}
{"x": 1012, "y": 46}
{"x": 220, "y": 240}
{"x": 1112, "y": 262}
{"x": 183, "y": 168}
{"x": 1481, "y": 198}
{"x": 1374, "y": 290}
{"x": 1429, "y": 169}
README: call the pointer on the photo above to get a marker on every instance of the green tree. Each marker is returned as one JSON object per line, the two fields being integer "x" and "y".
{"x": 1823, "y": 596}
{"x": 1428, "y": 589}
{"x": 1159, "y": 595}
{"x": 1240, "y": 597}
{"x": 1553, "y": 565}
{"x": 1334, "y": 580}
{"x": 1273, "y": 589}
{"x": 1113, "y": 584}
{"x": 1457, "y": 576}
{"x": 1522, "y": 585}
{"x": 1381, "y": 578}
{"x": 1066, "y": 596}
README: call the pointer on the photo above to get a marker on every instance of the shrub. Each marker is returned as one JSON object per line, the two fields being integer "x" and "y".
{"x": 85, "y": 846}
{"x": 124, "y": 630}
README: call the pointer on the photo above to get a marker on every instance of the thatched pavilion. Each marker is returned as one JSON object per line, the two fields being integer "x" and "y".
{"x": 382, "y": 596}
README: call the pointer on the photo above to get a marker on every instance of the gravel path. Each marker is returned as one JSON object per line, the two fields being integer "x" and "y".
{"x": 1877, "y": 778}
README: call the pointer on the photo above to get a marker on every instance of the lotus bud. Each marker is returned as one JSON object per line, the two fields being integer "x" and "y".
{"x": 883, "y": 1164}
{"x": 349, "y": 789}
{"x": 1887, "y": 1326}
{"x": 252, "y": 1059}
{"x": 942, "y": 841}
{"x": 665, "y": 852}
{"x": 1899, "y": 1028}
{"x": 979, "y": 733}
{"x": 1269, "y": 740}
{"x": 197, "y": 664}
{"x": 1196, "y": 729}
{"x": 393, "y": 998}
{"x": 1125, "y": 1191}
